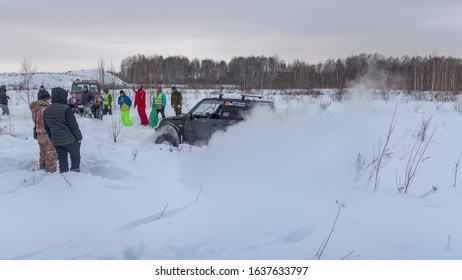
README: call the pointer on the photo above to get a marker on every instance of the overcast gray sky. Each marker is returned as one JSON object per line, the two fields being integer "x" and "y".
{"x": 61, "y": 35}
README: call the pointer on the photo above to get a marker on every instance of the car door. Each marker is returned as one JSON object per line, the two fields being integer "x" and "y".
{"x": 199, "y": 130}
{"x": 203, "y": 120}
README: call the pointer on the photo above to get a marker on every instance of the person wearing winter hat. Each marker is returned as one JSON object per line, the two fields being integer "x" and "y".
{"x": 41, "y": 90}
{"x": 63, "y": 130}
{"x": 125, "y": 103}
{"x": 4, "y": 101}
{"x": 47, "y": 154}
{"x": 44, "y": 95}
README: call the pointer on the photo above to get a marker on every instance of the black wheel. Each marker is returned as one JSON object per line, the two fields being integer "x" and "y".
{"x": 167, "y": 134}
{"x": 98, "y": 114}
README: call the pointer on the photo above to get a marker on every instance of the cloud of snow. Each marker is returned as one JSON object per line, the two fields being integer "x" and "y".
{"x": 376, "y": 77}
{"x": 280, "y": 166}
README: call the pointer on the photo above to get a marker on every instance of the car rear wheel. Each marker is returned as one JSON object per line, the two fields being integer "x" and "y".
{"x": 167, "y": 134}
{"x": 98, "y": 114}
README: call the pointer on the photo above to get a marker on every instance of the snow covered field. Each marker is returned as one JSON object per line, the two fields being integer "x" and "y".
{"x": 268, "y": 188}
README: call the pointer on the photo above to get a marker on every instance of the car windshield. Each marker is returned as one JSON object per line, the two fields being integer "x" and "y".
{"x": 207, "y": 106}
{"x": 79, "y": 87}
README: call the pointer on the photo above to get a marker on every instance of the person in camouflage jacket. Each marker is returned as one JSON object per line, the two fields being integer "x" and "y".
{"x": 48, "y": 156}
{"x": 176, "y": 101}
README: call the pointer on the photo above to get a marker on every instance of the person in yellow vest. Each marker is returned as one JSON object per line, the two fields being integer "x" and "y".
{"x": 125, "y": 103}
{"x": 108, "y": 102}
{"x": 160, "y": 101}
{"x": 158, "y": 105}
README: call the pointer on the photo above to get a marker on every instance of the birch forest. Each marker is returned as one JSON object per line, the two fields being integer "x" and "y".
{"x": 430, "y": 73}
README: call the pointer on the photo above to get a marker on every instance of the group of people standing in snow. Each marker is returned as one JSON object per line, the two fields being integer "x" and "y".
{"x": 158, "y": 104}
{"x": 58, "y": 133}
{"x": 88, "y": 100}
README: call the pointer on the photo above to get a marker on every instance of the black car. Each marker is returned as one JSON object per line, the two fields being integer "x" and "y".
{"x": 208, "y": 116}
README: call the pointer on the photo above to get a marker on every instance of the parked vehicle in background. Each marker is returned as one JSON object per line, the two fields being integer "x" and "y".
{"x": 75, "y": 100}
{"x": 208, "y": 116}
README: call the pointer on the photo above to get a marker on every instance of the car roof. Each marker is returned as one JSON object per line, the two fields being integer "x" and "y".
{"x": 244, "y": 98}
{"x": 85, "y": 82}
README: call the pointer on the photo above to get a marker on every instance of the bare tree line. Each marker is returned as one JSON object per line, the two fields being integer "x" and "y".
{"x": 432, "y": 73}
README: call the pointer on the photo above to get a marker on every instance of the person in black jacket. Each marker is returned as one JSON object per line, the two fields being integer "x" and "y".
{"x": 63, "y": 130}
{"x": 4, "y": 100}
{"x": 88, "y": 100}
{"x": 41, "y": 92}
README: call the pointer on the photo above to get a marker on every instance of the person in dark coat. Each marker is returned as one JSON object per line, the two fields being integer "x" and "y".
{"x": 176, "y": 101}
{"x": 87, "y": 97}
{"x": 42, "y": 90}
{"x": 63, "y": 130}
{"x": 4, "y": 100}
{"x": 88, "y": 100}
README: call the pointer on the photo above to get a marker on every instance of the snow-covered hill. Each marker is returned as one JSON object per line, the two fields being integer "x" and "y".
{"x": 50, "y": 80}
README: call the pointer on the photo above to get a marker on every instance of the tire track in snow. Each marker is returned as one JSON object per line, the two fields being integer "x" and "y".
{"x": 150, "y": 219}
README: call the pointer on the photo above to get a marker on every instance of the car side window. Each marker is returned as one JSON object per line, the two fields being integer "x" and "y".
{"x": 94, "y": 88}
{"x": 206, "y": 108}
{"x": 232, "y": 111}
